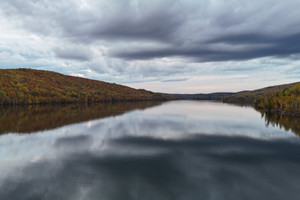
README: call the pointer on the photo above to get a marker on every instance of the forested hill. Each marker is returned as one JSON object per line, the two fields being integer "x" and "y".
{"x": 249, "y": 97}
{"x": 28, "y": 86}
{"x": 284, "y": 99}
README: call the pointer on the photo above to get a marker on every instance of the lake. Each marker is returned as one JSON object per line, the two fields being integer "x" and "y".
{"x": 148, "y": 150}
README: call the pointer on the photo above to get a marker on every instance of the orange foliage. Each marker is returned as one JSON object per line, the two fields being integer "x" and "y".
{"x": 28, "y": 86}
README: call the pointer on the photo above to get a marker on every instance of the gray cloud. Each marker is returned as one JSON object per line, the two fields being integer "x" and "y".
{"x": 258, "y": 46}
{"x": 200, "y": 32}
{"x": 116, "y": 20}
{"x": 125, "y": 38}
{"x": 174, "y": 80}
{"x": 74, "y": 53}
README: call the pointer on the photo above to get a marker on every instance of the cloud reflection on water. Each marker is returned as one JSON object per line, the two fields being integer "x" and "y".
{"x": 158, "y": 153}
{"x": 209, "y": 167}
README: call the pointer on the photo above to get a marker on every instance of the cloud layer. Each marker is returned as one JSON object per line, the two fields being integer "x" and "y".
{"x": 154, "y": 40}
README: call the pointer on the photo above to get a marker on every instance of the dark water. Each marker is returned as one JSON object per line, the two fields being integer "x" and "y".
{"x": 172, "y": 150}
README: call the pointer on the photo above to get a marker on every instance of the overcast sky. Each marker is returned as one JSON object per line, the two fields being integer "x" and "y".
{"x": 161, "y": 45}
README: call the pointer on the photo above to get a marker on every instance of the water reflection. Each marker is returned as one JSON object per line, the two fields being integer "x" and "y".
{"x": 176, "y": 150}
{"x": 282, "y": 121}
{"x": 27, "y": 119}
{"x": 286, "y": 122}
{"x": 209, "y": 167}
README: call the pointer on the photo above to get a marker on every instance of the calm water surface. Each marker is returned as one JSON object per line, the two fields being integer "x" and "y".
{"x": 171, "y": 150}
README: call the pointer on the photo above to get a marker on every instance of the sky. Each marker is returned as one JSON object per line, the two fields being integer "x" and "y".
{"x": 174, "y": 46}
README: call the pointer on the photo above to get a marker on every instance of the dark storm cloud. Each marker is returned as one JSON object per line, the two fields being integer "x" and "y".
{"x": 248, "y": 38}
{"x": 271, "y": 45}
{"x": 258, "y": 46}
{"x": 159, "y": 26}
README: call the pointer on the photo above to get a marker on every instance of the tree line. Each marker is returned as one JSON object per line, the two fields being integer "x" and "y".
{"x": 28, "y": 86}
{"x": 287, "y": 100}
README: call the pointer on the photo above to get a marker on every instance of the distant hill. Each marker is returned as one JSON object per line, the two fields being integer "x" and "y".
{"x": 209, "y": 96}
{"x": 29, "y": 86}
{"x": 248, "y": 97}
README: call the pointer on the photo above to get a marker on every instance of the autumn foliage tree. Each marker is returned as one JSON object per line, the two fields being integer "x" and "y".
{"x": 288, "y": 100}
{"x": 28, "y": 86}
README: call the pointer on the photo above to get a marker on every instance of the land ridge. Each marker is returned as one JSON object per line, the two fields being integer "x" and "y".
{"x": 282, "y": 99}
{"x": 31, "y": 86}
